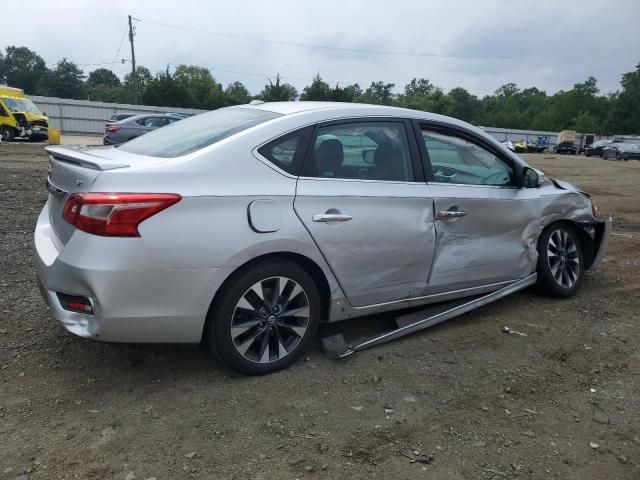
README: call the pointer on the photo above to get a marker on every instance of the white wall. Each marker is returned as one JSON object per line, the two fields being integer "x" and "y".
{"x": 84, "y": 117}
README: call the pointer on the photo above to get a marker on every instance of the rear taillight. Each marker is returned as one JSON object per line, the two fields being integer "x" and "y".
{"x": 114, "y": 214}
{"x": 111, "y": 128}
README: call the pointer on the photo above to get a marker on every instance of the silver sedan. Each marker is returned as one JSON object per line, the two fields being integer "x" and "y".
{"x": 246, "y": 227}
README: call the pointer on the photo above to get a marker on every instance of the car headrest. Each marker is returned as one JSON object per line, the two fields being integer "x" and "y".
{"x": 329, "y": 156}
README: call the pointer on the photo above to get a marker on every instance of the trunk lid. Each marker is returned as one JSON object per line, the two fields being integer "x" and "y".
{"x": 74, "y": 170}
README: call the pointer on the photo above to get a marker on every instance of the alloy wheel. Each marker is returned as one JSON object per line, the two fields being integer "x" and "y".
{"x": 270, "y": 319}
{"x": 563, "y": 258}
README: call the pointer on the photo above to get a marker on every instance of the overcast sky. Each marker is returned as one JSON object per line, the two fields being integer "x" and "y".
{"x": 478, "y": 45}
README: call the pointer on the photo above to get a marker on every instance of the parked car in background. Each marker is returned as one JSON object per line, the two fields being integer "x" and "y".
{"x": 245, "y": 227}
{"x": 621, "y": 151}
{"x": 116, "y": 117}
{"x": 116, "y": 133}
{"x": 182, "y": 115}
{"x": 597, "y": 147}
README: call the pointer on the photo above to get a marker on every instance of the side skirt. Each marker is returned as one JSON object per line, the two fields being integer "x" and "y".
{"x": 335, "y": 346}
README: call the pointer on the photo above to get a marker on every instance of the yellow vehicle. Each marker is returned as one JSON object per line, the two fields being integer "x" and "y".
{"x": 19, "y": 117}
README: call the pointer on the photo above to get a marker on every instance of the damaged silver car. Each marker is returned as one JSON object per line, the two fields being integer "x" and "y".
{"x": 247, "y": 227}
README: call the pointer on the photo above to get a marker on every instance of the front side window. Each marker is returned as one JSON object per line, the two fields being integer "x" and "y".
{"x": 361, "y": 150}
{"x": 457, "y": 160}
{"x": 197, "y": 132}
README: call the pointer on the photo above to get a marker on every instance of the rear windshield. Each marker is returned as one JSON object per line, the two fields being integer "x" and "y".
{"x": 194, "y": 133}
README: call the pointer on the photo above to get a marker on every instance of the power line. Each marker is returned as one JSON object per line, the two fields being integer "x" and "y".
{"x": 119, "y": 46}
{"x": 377, "y": 52}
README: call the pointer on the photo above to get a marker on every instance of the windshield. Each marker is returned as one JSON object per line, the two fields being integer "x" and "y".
{"x": 21, "y": 105}
{"x": 194, "y": 133}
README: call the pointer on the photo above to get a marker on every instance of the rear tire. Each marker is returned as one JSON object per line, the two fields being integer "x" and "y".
{"x": 8, "y": 134}
{"x": 560, "y": 261}
{"x": 264, "y": 317}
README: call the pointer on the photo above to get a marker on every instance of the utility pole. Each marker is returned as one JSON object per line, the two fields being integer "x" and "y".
{"x": 134, "y": 75}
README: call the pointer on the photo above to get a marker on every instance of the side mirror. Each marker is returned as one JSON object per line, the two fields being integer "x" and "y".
{"x": 532, "y": 178}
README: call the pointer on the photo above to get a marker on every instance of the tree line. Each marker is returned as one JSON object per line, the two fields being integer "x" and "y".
{"x": 582, "y": 108}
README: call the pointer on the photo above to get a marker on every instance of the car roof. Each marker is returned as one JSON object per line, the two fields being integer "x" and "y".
{"x": 337, "y": 110}
{"x": 145, "y": 115}
{"x": 288, "y": 108}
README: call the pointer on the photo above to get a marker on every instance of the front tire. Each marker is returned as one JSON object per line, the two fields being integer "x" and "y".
{"x": 264, "y": 317}
{"x": 8, "y": 134}
{"x": 560, "y": 261}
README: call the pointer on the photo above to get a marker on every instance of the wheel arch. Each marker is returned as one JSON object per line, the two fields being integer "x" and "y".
{"x": 585, "y": 234}
{"x": 316, "y": 272}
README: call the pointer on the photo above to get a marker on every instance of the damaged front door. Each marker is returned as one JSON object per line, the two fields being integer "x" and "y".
{"x": 486, "y": 225}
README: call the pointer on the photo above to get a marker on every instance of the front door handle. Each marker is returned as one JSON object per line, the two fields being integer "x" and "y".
{"x": 331, "y": 217}
{"x": 449, "y": 214}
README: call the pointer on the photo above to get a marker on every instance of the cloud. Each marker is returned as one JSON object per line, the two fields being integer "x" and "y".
{"x": 545, "y": 37}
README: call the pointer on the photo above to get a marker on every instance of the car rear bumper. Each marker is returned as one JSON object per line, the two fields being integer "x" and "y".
{"x": 133, "y": 298}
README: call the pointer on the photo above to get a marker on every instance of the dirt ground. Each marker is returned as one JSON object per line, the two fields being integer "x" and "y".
{"x": 561, "y": 402}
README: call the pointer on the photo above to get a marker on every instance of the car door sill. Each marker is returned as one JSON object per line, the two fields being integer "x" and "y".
{"x": 335, "y": 346}
{"x": 440, "y": 297}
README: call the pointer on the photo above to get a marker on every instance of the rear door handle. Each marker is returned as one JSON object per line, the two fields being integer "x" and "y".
{"x": 331, "y": 217}
{"x": 448, "y": 214}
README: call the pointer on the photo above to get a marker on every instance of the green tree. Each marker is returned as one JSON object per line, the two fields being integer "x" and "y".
{"x": 144, "y": 76}
{"x": 418, "y": 87}
{"x": 586, "y": 123}
{"x": 278, "y": 92}
{"x": 318, "y": 90}
{"x": 379, "y": 93}
{"x": 624, "y": 115}
{"x": 103, "y": 76}
{"x": 24, "y": 68}
{"x": 163, "y": 90}
{"x": 350, "y": 93}
{"x": 462, "y": 105}
{"x": 421, "y": 94}
{"x": 66, "y": 81}
{"x": 201, "y": 88}
{"x": 236, "y": 94}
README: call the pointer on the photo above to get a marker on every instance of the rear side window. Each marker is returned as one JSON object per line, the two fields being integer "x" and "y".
{"x": 287, "y": 152}
{"x": 155, "y": 122}
{"x": 194, "y": 133}
{"x": 369, "y": 150}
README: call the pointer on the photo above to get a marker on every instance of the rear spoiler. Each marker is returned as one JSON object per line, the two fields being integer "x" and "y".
{"x": 83, "y": 158}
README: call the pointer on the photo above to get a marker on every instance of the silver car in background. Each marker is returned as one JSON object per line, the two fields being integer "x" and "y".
{"x": 133, "y": 126}
{"x": 247, "y": 226}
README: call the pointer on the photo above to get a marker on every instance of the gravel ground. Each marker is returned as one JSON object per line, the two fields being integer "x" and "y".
{"x": 464, "y": 399}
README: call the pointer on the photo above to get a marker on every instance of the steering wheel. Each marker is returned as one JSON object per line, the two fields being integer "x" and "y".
{"x": 444, "y": 174}
{"x": 497, "y": 179}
